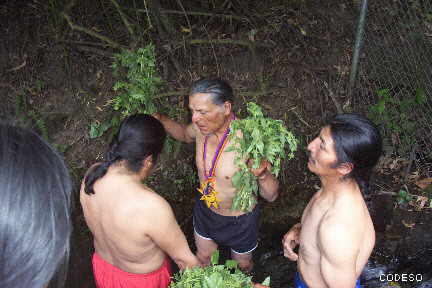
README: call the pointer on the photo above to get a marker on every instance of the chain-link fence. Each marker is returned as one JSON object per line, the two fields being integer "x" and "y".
{"x": 394, "y": 84}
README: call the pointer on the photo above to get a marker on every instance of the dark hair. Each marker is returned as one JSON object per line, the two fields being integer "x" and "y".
{"x": 358, "y": 141}
{"x": 139, "y": 136}
{"x": 35, "y": 213}
{"x": 220, "y": 90}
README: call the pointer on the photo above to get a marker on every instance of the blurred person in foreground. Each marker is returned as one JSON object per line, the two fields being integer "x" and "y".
{"x": 134, "y": 228}
{"x": 215, "y": 223}
{"x": 35, "y": 212}
{"x": 336, "y": 234}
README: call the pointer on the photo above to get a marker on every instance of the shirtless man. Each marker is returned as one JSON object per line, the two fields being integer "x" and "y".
{"x": 210, "y": 101}
{"x": 336, "y": 234}
{"x": 133, "y": 227}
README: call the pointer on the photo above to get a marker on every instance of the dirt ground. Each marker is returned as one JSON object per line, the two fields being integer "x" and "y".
{"x": 303, "y": 51}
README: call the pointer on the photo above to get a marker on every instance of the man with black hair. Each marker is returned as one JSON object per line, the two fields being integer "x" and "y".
{"x": 210, "y": 101}
{"x": 336, "y": 234}
{"x": 134, "y": 228}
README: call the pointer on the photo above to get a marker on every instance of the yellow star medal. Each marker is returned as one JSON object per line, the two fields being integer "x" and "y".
{"x": 209, "y": 193}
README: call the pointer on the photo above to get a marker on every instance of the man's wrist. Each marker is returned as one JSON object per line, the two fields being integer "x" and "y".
{"x": 264, "y": 175}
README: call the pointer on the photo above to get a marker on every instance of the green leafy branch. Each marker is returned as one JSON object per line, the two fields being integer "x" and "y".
{"x": 138, "y": 88}
{"x": 214, "y": 276}
{"x": 257, "y": 138}
{"x": 397, "y": 118}
{"x": 142, "y": 81}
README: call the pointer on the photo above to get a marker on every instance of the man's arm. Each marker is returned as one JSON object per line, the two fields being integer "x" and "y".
{"x": 166, "y": 233}
{"x": 339, "y": 245}
{"x": 180, "y": 132}
{"x": 268, "y": 184}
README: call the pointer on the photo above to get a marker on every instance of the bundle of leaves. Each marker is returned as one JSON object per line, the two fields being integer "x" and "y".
{"x": 138, "y": 86}
{"x": 141, "y": 84}
{"x": 214, "y": 276}
{"x": 260, "y": 139}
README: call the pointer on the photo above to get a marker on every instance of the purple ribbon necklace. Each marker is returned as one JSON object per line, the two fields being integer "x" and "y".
{"x": 207, "y": 188}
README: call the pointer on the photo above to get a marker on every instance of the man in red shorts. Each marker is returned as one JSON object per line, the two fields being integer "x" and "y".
{"x": 134, "y": 228}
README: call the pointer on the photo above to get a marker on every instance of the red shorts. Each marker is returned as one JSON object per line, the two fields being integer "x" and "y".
{"x": 109, "y": 276}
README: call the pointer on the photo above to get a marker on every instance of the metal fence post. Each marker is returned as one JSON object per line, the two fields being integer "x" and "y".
{"x": 357, "y": 49}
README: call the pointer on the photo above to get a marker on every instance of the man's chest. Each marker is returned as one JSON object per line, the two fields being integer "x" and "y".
{"x": 212, "y": 160}
{"x": 311, "y": 220}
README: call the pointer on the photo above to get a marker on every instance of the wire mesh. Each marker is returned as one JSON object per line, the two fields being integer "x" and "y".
{"x": 394, "y": 84}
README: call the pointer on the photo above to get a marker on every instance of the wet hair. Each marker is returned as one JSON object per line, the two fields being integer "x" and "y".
{"x": 35, "y": 213}
{"x": 139, "y": 136}
{"x": 220, "y": 90}
{"x": 357, "y": 141}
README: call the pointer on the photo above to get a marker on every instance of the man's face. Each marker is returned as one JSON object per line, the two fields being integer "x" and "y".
{"x": 206, "y": 115}
{"x": 322, "y": 157}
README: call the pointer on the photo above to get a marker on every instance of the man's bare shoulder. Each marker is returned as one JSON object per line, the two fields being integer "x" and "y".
{"x": 146, "y": 200}
{"x": 337, "y": 236}
{"x": 341, "y": 226}
{"x": 350, "y": 205}
{"x": 344, "y": 212}
{"x": 147, "y": 207}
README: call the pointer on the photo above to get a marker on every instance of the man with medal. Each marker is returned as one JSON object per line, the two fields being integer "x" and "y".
{"x": 215, "y": 223}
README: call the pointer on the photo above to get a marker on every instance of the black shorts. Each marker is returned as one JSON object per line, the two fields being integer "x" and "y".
{"x": 240, "y": 233}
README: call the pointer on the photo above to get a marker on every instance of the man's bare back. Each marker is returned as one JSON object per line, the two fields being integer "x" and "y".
{"x": 324, "y": 213}
{"x": 130, "y": 224}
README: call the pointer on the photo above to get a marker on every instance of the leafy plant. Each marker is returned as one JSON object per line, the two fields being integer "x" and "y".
{"x": 213, "y": 276}
{"x": 142, "y": 81}
{"x": 138, "y": 88}
{"x": 257, "y": 138}
{"x": 97, "y": 128}
{"x": 396, "y": 117}
{"x": 403, "y": 196}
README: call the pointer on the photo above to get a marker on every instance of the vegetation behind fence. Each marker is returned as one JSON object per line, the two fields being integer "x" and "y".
{"x": 395, "y": 78}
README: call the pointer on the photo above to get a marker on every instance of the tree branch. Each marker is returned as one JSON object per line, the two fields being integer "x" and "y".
{"x": 227, "y": 41}
{"x": 90, "y": 32}
{"x": 124, "y": 18}
{"x": 333, "y": 97}
{"x": 196, "y": 13}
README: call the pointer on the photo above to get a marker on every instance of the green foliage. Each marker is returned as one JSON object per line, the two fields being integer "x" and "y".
{"x": 403, "y": 196}
{"x": 257, "y": 138}
{"x": 396, "y": 118}
{"x": 213, "y": 276}
{"x": 266, "y": 281}
{"x": 97, "y": 128}
{"x": 138, "y": 87}
{"x": 39, "y": 85}
{"x": 141, "y": 84}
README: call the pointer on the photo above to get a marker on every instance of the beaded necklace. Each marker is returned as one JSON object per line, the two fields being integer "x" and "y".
{"x": 209, "y": 194}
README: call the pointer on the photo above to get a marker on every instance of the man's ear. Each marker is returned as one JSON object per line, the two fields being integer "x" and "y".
{"x": 148, "y": 161}
{"x": 345, "y": 168}
{"x": 228, "y": 108}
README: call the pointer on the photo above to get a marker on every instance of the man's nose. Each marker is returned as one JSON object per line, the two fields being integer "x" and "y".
{"x": 195, "y": 117}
